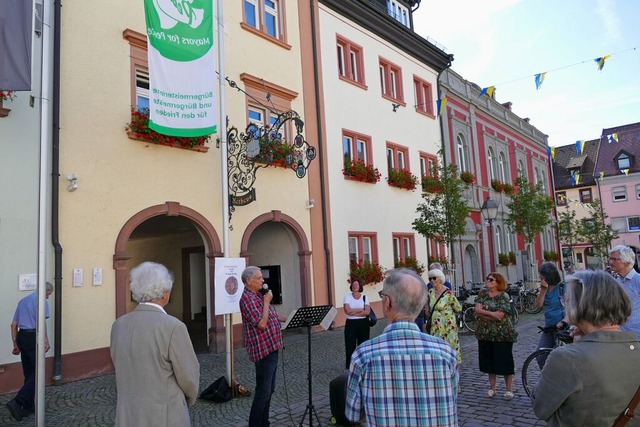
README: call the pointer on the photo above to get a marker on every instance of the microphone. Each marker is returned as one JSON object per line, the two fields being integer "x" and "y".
{"x": 264, "y": 290}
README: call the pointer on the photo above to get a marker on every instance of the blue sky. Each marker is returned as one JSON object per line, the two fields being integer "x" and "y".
{"x": 506, "y": 42}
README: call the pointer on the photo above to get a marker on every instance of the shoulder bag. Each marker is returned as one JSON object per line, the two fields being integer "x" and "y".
{"x": 628, "y": 413}
{"x": 427, "y": 328}
{"x": 373, "y": 319}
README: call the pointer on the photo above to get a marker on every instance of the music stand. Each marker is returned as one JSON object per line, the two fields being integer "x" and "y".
{"x": 308, "y": 316}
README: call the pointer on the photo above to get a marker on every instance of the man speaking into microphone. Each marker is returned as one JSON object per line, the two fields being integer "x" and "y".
{"x": 262, "y": 339}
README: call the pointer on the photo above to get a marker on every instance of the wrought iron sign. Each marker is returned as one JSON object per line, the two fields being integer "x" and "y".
{"x": 263, "y": 146}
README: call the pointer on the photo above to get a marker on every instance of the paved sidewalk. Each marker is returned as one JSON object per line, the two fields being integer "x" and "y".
{"x": 92, "y": 402}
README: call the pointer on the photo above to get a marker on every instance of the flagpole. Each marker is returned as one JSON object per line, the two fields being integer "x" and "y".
{"x": 45, "y": 137}
{"x": 222, "y": 134}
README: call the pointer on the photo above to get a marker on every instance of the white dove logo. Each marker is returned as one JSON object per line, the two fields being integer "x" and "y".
{"x": 171, "y": 12}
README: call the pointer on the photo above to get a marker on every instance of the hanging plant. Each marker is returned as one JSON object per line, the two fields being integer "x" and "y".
{"x": 410, "y": 263}
{"x": 139, "y": 129}
{"x": 402, "y": 178}
{"x": 509, "y": 190}
{"x": 503, "y": 259}
{"x": 365, "y": 272}
{"x": 432, "y": 185}
{"x": 468, "y": 178}
{"x": 497, "y": 185}
{"x": 550, "y": 256}
{"x": 359, "y": 171}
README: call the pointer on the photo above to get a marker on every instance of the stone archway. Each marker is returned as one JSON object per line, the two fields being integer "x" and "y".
{"x": 304, "y": 254}
{"x": 121, "y": 256}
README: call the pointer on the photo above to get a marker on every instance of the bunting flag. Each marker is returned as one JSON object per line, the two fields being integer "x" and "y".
{"x": 441, "y": 104}
{"x": 488, "y": 90}
{"x": 626, "y": 171}
{"x": 601, "y": 174}
{"x": 577, "y": 178}
{"x": 612, "y": 137}
{"x": 553, "y": 153}
{"x": 548, "y": 151}
{"x": 179, "y": 48}
{"x": 600, "y": 61}
{"x": 579, "y": 147}
{"x": 539, "y": 79}
{"x": 573, "y": 180}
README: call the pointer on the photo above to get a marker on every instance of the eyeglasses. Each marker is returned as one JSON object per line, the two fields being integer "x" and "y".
{"x": 612, "y": 258}
{"x": 490, "y": 279}
{"x": 381, "y": 294}
{"x": 432, "y": 278}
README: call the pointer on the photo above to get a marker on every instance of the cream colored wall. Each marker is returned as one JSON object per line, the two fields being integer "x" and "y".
{"x": 118, "y": 177}
{"x": 365, "y": 207}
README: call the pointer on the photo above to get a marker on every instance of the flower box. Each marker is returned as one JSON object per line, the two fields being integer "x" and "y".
{"x": 468, "y": 178}
{"x": 550, "y": 256}
{"x": 359, "y": 171}
{"x": 365, "y": 272}
{"x": 5, "y": 95}
{"x": 503, "y": 259}
{"x": 402, "y": 178}
{"x": 139, "y": 130}
{"x": 410, "y": 263}
{"x": 432, "y": 185}
{"x": 497, "y": 185}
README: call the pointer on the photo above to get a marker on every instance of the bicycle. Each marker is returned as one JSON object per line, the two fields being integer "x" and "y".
{"x": 530, "y": 301}
{"x": 531, "y": 371}
{"x": 518, "y": 294}
{"x": 467, "y": 316}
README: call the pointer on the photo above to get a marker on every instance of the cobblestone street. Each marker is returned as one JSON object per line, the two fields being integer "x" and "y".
{"x": 92, "y": 402}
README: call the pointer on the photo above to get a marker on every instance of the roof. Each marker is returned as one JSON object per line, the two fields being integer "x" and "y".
{"x": 628, "y": 141}
{"x": 567, "y": 159}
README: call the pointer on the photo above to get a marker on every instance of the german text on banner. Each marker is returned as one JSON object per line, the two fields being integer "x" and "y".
{"x": 15, "y": 44}
{"x": 182, "y": 78}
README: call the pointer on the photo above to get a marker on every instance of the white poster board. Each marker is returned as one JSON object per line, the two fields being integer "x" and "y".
{"x": 228, "y": 284}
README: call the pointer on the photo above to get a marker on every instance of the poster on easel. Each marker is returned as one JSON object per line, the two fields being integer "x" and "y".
{"x": 228, "y": 284}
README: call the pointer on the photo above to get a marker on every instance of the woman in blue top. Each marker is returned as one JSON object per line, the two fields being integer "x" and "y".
{"x": 550, "y": 297}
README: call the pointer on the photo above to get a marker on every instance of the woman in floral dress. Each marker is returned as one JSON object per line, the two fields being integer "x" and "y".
{"x": 443, "y": 306}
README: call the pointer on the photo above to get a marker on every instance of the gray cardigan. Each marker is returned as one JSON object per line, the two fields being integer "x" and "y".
{"x": 591, "y": 382}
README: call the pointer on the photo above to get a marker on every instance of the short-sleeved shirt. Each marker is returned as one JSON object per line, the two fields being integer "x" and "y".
{"x": 403, "y": 378}
{"x": 495, "y": 330}
{"x": 356, "y": 304}
{"x": 631, "y": 284}
{"x": 26, "y": 313}
{"x": 553, "y": 310}
{"x": 259, "y": 342}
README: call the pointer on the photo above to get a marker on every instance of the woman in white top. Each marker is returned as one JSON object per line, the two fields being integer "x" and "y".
{"x": 356, "y": 329}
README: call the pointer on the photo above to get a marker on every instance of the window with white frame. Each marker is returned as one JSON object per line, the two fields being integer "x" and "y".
{"x": 585, "y": 195}
{"x": 502, "y": 168}
{"x": 499, "y": 237}
{"x": 397, "y": 157}
{"x": 536, "y": 175}
{"x": 633, "y": 223}
{"x": 142, "y": 87}
{"x": 423, "y": 95}
{"x": 265, "y": 16}
{"x": 398, "y": 12}
{"x": 638, "y": 191}
{"x": 428, "y": 165}
{"x": 463, "y": 153}
{"x": 521, "y": 169}
{"x": 391, "y": 81}
{"x": 363, "y": 247}
{"x": 619, "y": 194}
{"x": 491, "y": 164}
{"x": 350, "y": 61}
{"x": 403, "y": 246}
{"x": 356, "y": 147}
{"x": 623, "y": 161}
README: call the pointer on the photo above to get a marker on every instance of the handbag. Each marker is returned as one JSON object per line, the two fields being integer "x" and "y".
{"x": 219, "y": 391}
{"x": 628, "y": 413}
{"x": 373, "y": 319}
{"x": 427, "y": 328}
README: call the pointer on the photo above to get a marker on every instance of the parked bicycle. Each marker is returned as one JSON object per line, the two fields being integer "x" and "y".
{"x": 518, "y": 294}
{"x": 467, "y": 317}
{"x": 530, "y": 301}
{"x": 532, "y": 366}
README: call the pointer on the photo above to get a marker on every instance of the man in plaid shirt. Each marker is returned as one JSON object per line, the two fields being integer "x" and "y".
{"x": 403, "y": 377}
{"x": 262, "y": 339}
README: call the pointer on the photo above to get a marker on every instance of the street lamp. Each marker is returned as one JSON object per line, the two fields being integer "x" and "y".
{"x": 489, "y": 211}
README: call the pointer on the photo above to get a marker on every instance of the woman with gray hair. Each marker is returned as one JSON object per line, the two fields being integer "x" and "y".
{"x": 443, "y": 306}
{"x": 590, "y": 382}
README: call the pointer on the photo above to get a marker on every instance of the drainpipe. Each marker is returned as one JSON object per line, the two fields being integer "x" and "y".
{"x": 417, "y": 5}
{"x": 55, "y": 187}
{"x": 323, "y": 191}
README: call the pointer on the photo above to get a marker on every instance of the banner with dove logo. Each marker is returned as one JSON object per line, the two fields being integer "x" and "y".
{"x": 182, "y": 77}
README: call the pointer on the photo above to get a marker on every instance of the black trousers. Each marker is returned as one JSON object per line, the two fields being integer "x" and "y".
{"x": 26, "y": 341}
{"x": 356, "y": 331}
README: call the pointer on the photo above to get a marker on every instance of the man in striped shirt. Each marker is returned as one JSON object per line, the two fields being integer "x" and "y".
{"x": 403, "y": 377}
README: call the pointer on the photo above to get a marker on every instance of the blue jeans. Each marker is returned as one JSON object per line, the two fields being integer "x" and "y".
{"x": 266, "y": 369}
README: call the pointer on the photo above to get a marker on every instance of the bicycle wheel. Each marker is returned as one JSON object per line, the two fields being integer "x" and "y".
{"x": 519, "y": 303}
{"x": 469, "y": 318}
{"x": 530, "y": 305}
{"x": 516, "y": 315}
{"x": 532, "y": 368}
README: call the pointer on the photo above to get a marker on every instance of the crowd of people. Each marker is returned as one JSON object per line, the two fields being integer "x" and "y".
{"x": 407, "y": 375}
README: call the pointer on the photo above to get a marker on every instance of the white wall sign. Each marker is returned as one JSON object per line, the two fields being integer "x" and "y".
{"x": 228, "y": 284}
{"x": 27, "y": 282}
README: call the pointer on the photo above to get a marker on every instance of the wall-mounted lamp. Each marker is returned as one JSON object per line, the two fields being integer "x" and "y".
{"x": 395, "y": 107}
{"x": 73, "y": 182}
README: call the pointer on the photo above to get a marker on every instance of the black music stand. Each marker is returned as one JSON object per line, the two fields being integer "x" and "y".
{"x": 308, "y": 316}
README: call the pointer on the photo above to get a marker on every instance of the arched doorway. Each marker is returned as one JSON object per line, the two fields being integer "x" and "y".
{"x": 471, "y": 265}
{"x": 184, "y": 241}
{"x": 276, "y": 240}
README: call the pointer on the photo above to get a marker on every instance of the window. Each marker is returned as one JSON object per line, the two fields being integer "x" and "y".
{"x": 139, "y": 68}
{"x": 424, "y": 96}
{"x": 491, "y": 164}
{"x": 561, "y": 198}
{"x": 502, "y": 168}
{"x": 536, "y": 176}
{"x": 397, "y": 157}
{"x": 633, "y": 222}
{"x": 619, "y": 194}
{"x": 638, "y": 191}
{"x": 521, "y": 170}
{"x": 404, "y": 246}
{"x": 258, "y": 114}
{"x": 498, "y": 238}
{"x": 463, "y": 153}
{"x": 356, "y": 147}
{"x": 391, "y": 81}
{"x": 363, "y": 246}
{"x": 265, "y": 17}
{"x": 398, "y": 12}
{"x": 428, "y": 165}
{"x": 258, "y": 88}
{"x": 623, "y": 161}
{"x": 350, "y": 61}
{"x": 585, "y": 195}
